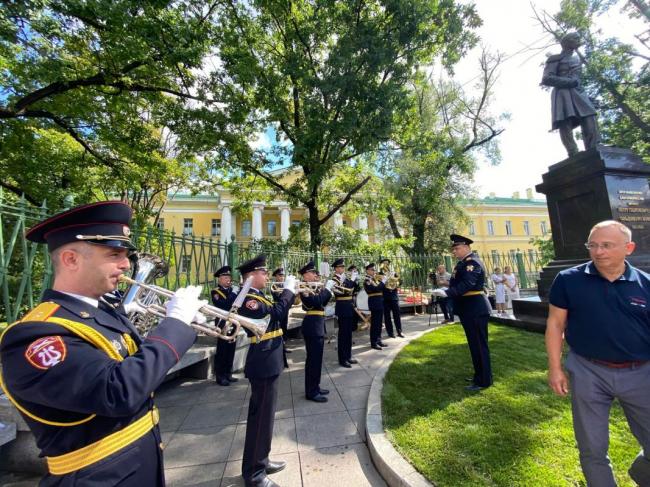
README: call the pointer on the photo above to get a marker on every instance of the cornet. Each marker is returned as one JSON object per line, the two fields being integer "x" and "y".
{"x": 301, "y": 287}
{"x": 233, "y": 321}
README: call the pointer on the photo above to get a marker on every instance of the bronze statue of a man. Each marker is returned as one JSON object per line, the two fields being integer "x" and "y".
{"x": 570, "y": 105}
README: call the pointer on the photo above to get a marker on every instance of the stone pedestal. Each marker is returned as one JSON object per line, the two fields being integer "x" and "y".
{"x": 605, "y": 183}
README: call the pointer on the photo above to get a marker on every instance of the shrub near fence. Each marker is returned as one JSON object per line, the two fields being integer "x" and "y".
{"x": 25, "y": 270}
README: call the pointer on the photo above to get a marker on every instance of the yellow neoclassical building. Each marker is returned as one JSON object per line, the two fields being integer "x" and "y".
{"x": 498, "y": 225}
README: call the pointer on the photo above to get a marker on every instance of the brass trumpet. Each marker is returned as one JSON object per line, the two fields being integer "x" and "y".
{"x": 301, "y": 287}
{"x": 231, "y": 329}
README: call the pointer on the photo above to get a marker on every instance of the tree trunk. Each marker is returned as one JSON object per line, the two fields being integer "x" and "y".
{"x": 314, "y": 226}
{"x": 418, "y": 233}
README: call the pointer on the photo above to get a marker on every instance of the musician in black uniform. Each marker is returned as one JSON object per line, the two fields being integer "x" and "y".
{"x": 471, "y": 305}
{"x": 278, "y": 276}
{"x": 391, "y": 307}
{"x": 263, "y": 368}
{"x": 78, "y": 371}
{"x": 313, "y": 331}
{"x": 375, "y": 289}
{"x": 345, "y": 313}
{"x": 222, "y": 297}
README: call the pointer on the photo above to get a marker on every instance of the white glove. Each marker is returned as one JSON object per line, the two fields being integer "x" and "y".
{"x": 385, "y": 278}
{"x": 199, "y": 318}
{"x": 185, "y": 304}
{"x": 329, "y": 285}
{"x": 134, "y": 307}
{"x": 290, "y": 283}
{"x": 354, "y": 276}
{"x": 439, "y": 293}
{"x": 235, "y": 289}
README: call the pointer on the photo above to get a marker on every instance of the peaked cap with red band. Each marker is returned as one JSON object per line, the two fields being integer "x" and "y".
{"x": 102, "y": 223}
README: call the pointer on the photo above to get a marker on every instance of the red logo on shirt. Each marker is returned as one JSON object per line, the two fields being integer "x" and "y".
{"x": 252, "y": 304}
{"x": 46, "y": 352}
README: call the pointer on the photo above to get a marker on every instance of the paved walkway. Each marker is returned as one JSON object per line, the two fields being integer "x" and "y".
{"x": 204, "y": 424}
{"x": 324, "y": 444}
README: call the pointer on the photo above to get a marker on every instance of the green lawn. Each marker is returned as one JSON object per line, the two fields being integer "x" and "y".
{"x": 516, "y": 433}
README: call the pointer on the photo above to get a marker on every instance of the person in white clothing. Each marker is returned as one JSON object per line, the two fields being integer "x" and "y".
{"x": 511, "y": 285}
{"x": 499, "y": 290}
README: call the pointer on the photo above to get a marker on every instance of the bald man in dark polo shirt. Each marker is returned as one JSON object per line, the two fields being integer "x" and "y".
{"x": 601, "y": 308}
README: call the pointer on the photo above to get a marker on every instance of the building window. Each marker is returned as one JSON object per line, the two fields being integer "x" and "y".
{"x": 246, "y": 228}
{"x": 526, "y": 228}
{"x": 495, "y": 258}
{"x": 188, "y": 226}
{"x": 542, "y": 226}
{"x": 490, "y": 225}
{"x": 508, "y": 227}
{"x": 186, "y": 262}
{"x": 295, "y": 223}
{"x": 271, "y": 228}
{"x": 160, "y": 224}
{"x": 472, "y": 228}
{"x": 216, "y": 227}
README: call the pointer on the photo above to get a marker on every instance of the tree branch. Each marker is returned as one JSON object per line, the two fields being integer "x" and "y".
{"x": 19, "y": 192}
{"x": 342, "y": 203}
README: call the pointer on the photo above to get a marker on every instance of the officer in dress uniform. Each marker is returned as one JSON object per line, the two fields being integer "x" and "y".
{"x": 278, "y": 276}
{"x": 391, "y": 307}
{"x": 470, "y": 303}
{"x": 344, "y": 312}
{"x": 375, "y": 289}
{"x": 263, "y": 368}
{"x": 313, "y": 331}
{"x": 77, "y": 370}
{"x": 222, "y": 297}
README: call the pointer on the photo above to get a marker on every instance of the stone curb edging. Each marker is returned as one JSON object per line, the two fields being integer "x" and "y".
{"x": 394, "y": 469}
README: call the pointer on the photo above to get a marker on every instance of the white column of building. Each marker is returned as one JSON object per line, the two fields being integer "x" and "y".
{"x": 362, "y": 224}
{"x": 338, "y": 219}
{"x": 226, "y": 229}
{"x": 257, "y": 220}
{"x": 285, "y": 217}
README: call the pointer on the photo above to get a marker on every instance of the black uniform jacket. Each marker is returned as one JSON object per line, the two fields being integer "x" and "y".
{"x": 222, "y": 298}
{"x": 466, "y": 286}
{"x": 375, "y": 290}
{"x": 265, "y": 358}
{"x": 313, "y": 324}
{"x": 344, "y": 304}
{"x": 57, "y": 376}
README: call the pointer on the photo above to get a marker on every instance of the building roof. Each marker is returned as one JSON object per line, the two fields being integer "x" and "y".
{"x": 502, "y": 201}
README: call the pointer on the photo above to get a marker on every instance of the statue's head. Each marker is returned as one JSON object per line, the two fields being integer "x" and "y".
{"x": 570, "y": 41}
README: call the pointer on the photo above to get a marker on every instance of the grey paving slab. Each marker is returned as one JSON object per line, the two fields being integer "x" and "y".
{"x": 348, "y": 465}
{"x": 196, "y": 476}
{"x": 359, "y": 418}
{"x": 289, "y": 477}
{"x": 354, "y": 397}
{"x": 213, "y": 414}
{"x": 325, "y": 430}
{"x": 172, "y": 417}
{"x": 199, "y": 447}
{"x": 351, "y": 377}
{"x": 178, "y": 393}
{"x": 284, "y": 439}
{"x": 217, "y": 393}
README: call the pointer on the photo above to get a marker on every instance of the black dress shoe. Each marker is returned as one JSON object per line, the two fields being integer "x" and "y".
{"x": 400, "y": 335}
{"x": 391, "y": 336}
{"x": 382, "y": 344}
{"x": 264, "y": 482}
{"x": 274, "y": 467}
{"x": 469, "y": 379}
{"x": 376, "y": 347}
{"x": 353, "y": 361}
{"x": 232, "y": 379}
{"x": 345, "y": 364}
{"x": 324, "y": 392}
{"x": 318, "y": 398}
{"x": 222, "y": 381}
{"x": 474, "y": 388}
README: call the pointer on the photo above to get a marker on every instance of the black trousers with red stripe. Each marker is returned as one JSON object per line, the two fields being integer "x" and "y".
{"x": 476, "y": 331}
{"x": 259, "y": 428}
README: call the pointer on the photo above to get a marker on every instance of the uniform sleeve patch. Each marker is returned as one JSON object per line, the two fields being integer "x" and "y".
{"x": 252, "y": 304}
{"x": 46, "y": 352}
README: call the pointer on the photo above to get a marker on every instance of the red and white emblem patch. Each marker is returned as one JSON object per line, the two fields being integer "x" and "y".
{"x": 46, "y": 352}
{"x": 252, "y": 304}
